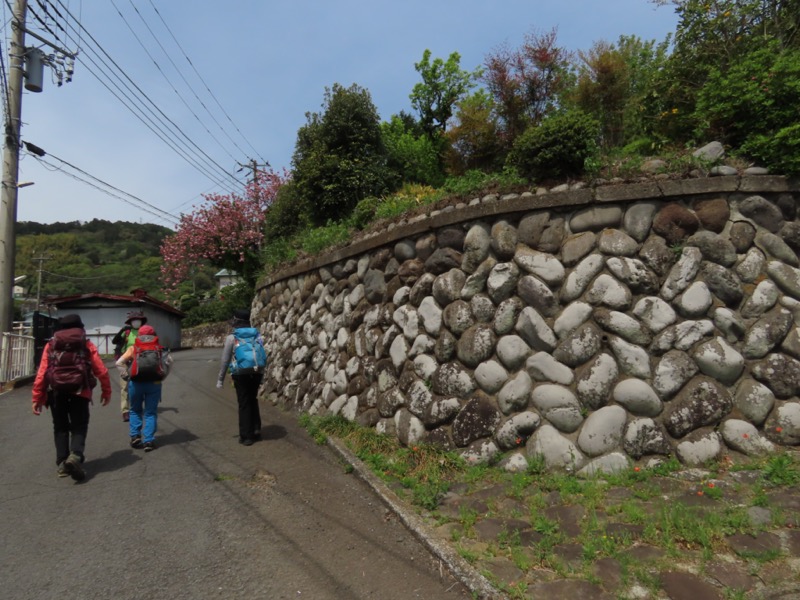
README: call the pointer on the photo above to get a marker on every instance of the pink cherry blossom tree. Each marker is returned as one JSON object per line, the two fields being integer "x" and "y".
{"x": 226, "y": 231}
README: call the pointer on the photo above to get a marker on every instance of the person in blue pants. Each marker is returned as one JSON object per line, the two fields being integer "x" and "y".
{"x": 144, "y": 394}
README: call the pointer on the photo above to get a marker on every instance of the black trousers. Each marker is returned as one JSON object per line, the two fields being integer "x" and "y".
{"x": 246, "y": 386}
{"x": 70, "y": 424}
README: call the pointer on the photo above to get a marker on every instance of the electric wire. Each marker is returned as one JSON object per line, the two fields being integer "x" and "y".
{"x": 148, "y": 120}
{"x": 204, "y": 82}
{"x": 45, "y": 10}
{"x": 142, "y": 115}
{"x": 143, "y": 95}
{"x": 102, "y": 71}
{"x": 188, "y": 85}
{"x": 102, "y": 66}
{"x": 164, "y": 75}
{"x": 43, "y": 23}
{"x": 69, "y": 164}
{"x": 66, "y": 22}
{"x": 75, "y": 278}
{"x": 192, "y": 199}
{"x": 3, "y": 72}
{"x": 4, "y": 90}
{"x": 156, "y": 212}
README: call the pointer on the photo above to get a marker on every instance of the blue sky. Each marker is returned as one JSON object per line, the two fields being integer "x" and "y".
{"x": 266, "y": 65}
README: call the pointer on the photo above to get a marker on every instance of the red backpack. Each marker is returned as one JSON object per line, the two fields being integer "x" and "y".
{"x": 68, "y": 363}
{"x": 148, "y": 359}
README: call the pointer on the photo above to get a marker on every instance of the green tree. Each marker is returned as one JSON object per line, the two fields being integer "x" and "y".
{"x": 339, "y": 155}
{"x": 474, "y": 138}
{"x": 557, "y": 148}
{"x": 411, "y": 155}
{"x": 753, "y": 106}
{"x": 527, "y": 83}
{"x": 602, "y": 89}
{"x": 98, "y": 256}
{"x": 443, "y": 84}
{"x": 712, "y": 37}
{"x": 287, "y": 215}
{"x": 615, "y": 83}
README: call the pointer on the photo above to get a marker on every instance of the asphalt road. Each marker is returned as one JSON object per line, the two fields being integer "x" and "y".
{"x": 200, "y": 517}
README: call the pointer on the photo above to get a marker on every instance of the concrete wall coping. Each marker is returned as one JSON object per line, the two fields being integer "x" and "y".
{"x": 666, "y": 189}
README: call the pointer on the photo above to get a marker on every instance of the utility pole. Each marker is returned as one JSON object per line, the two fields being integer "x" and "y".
{"x": 253, "y": 166}
{"x": 8, "y": 212}
{"x": 40, "y": 260}
{"x": 62, "y": 63}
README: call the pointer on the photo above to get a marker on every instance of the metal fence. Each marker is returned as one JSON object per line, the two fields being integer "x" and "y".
{"x": 16, "y": 358}
{"x": 19, "y": 352}
{"x": 103, "y": 342}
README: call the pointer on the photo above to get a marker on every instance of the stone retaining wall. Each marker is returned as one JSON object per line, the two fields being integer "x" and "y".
{"x": 591, "y": 327}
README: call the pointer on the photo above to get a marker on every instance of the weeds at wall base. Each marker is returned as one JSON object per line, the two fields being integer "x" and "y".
{"x": 684, "y": 534}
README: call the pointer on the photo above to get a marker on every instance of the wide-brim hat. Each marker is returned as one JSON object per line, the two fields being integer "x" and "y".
{"x": 70, "y": 321}
{"x": 136, "y": 314}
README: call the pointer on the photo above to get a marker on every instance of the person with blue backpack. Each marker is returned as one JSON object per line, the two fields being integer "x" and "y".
{"x": 244, "y": 357}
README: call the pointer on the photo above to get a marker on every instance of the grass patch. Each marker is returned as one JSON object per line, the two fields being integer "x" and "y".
{"x": 317, "y": 239}
{"x": 781, "y": 470}
{"x": 648, "y": 506}
{"x": 424, "y": 470}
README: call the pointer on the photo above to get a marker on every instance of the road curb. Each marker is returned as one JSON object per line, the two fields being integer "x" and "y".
{"x": 479, "y": 585}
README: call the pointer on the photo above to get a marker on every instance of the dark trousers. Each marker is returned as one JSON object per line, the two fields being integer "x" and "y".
{"x": 247, "y": 395}
{"x": 70, "y": 424}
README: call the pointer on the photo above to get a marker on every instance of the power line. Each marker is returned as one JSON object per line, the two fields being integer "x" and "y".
{"x": 135, "y": 107}
{"x": 3, "y": 73}
{"x": 42, "y": 22}
{"x": 144, "y": 117}
{"x": 163, "y": 212}
{"x": 164, "y": 75}
{"x": 193, "y": 198}
{"x": 139, "y": 203}
{"x": 188, "y": 85}
{"x": 76, "y": 278}
{"x": 136, "y": 90}
{"x": 204, "y": 81}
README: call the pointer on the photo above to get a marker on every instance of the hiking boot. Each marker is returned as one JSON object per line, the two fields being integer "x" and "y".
{"x": 62, "y": 470}
{"x": 149, "y": 446}
{"x": 247, "y": 442}
{"x": 126, "y": 416}
{"x": 73, "y": 467}
{"x": 136, "y": 442}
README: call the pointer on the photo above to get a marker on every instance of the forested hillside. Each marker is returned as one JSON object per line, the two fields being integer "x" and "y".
{"x": 95, "y": 256}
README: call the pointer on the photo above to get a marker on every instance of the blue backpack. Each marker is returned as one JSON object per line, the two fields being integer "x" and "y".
{"x": 249, "y": 355}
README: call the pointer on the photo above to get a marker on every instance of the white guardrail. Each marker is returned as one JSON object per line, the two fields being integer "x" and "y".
{"x": 17, "y": 354}
{"x": 16, "y": 358}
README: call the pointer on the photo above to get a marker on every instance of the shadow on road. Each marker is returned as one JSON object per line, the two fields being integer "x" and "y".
{"x": 179, "y": 436}
{"x": 273, "y": 432}
{"x": 113, "y": 462}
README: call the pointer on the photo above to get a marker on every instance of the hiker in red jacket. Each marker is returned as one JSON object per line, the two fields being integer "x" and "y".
{"x": 68, "y": 371}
